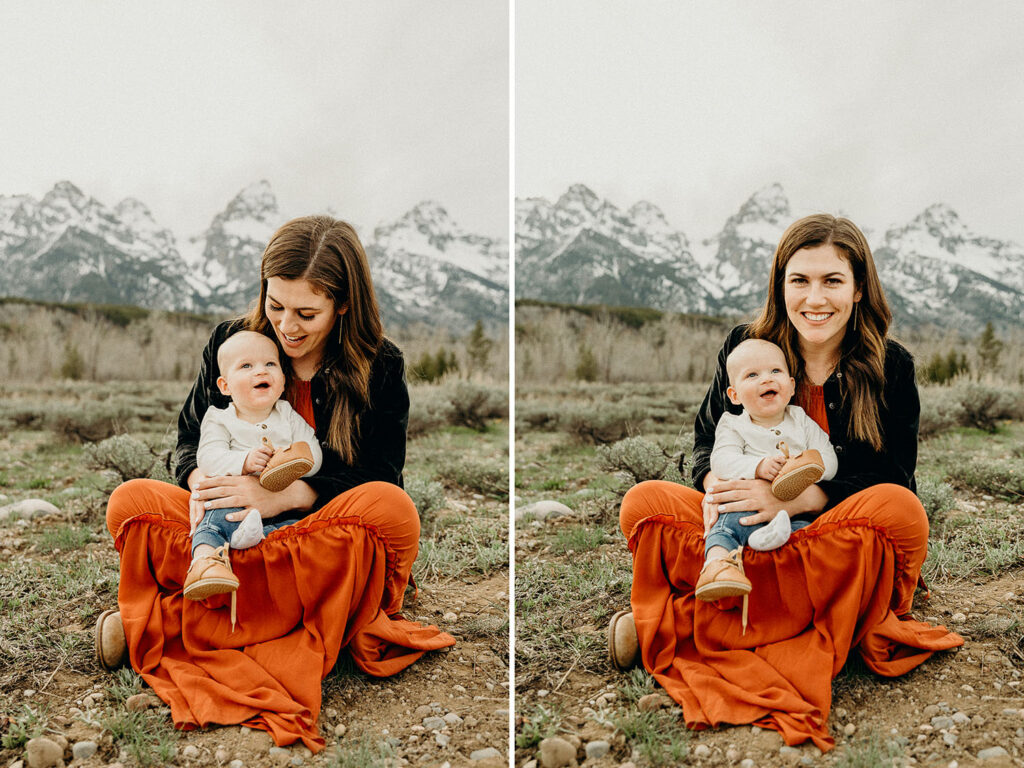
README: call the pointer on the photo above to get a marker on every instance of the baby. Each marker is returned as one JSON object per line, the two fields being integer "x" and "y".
{"x": 240, "y": 440}
{"x": 771, "y": 440}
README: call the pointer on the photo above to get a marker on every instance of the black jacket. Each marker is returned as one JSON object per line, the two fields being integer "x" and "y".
{"x": 380, "y": 445}
{"x": 860, "y": 465}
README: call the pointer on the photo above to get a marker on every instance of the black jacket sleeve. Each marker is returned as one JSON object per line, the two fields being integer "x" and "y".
{"x": 380, "y": 444}
{"x": 716, "y": 402}
{"x": 204, "y": 394}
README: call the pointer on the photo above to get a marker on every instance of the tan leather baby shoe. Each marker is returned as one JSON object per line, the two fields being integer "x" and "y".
{"x": 286, "y": 466}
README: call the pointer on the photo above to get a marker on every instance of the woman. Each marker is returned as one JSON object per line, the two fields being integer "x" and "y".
{"x": 845, "y": 581}
{"x": 335, "y": 578}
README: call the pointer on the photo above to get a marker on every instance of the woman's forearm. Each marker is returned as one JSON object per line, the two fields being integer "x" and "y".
{"x": 813, "y": 499}
{"x": 298, "y": 495}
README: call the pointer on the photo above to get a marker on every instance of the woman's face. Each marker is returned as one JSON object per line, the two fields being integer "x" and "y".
{"x": 302, "y": 320}
{"x": 820, "y": 295}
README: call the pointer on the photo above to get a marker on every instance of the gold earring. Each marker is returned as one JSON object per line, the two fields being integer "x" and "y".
{"x": 340, "y": 317}
{"x": 855, "y": 315}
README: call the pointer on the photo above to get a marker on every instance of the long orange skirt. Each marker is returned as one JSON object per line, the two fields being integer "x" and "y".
{"x": 333, "y": 580}
{"x": 837, "y": 585}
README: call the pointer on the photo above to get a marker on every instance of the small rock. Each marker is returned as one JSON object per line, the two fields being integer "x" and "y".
{"x": 484, "y": 754}
{"x": 43, "y": 753}
{"x": 542, "y": 510}
{"x": 191, "y": 752}
{"x": 442, "y": 739}
{"x": 958, "y": 618}
{"x": 653, "y": 701}
{"x": 221, "y": 755}
{"x": 942, "y": 722}
{"x": 339, "y": 730}
{"x": 849, "y": 729}
{"x": 459, "y": 688}
{"x": 931, "y": 710}
{"x": 236, "y": 764}
{"x": 296, "y": 760}
{"x": 790, "y": 754}
{"x": 450, "y": 618}
{"x": 422, "y": 711}
{"x": 28, "y": 508}
{"x": 280, "y": 755}
{"x": 747, "y": 763}
{"x": 732, "y": 755}
{"x": 28, "y": 693}
{"x": 701, "y": 751}
{"x": 949, "y": 739}
{"x": 967, "y": 688}
{"x": 452, "y": 719}
{"x": 961, "y": 718}
{"x": 992, "y": 753}
{"x": 83, "y": 750}
{"x": 597, "y": 749}
{"x": 140, "y": 702}
{"x": 433, "y": 723}
{"x": 556, "y": 752}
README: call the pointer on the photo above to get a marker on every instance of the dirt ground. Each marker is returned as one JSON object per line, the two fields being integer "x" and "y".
{"x": 874, "y": 720}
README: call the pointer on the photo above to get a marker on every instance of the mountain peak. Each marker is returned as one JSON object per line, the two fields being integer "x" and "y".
{"x": 579, "y": 195}
{"x": 939, "y": 216}
{"x": 430, "y": 212}
{"x": 65, "y": 191}
{"x": 254, "y": 201}
{"x": 133, "y": 208}
{"x": 768, "y": 203}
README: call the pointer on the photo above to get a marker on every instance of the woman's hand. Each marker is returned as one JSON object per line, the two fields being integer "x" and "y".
{"x": 245, "y": 491}
{"x": 755, "y": 497}
{"x": 195, "y": 509}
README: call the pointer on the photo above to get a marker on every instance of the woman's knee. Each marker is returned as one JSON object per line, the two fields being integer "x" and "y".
{"x": 143, "y": 496}
{"x": 389, "y": 509}
{"x": 657, "y": 497}
{"x": 895, "y": 509}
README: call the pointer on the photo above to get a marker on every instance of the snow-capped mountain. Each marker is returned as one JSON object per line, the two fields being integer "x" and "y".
{"x": 582, "y": 249}
{"x": 942, "y": 273}
{"x": 585, "y": 250}
{"x": 226, "y": 256}
{"x": 745, "y": 246}
{"x": 428, "y": 270}
{"x": 69, "y": 247}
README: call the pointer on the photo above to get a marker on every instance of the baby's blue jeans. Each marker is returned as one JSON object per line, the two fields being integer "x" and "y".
{"x": 216, "y": 531}
{"x": 727, "y": 531}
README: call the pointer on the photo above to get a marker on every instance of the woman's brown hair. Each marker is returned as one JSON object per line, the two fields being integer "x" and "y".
{"x": 862, "y": 354}
{"x": 327, "y": 253}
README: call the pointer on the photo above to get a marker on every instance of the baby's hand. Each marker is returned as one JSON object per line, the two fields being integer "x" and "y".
{"x": 256, "y": 460}
{"x": 769, "y": 467}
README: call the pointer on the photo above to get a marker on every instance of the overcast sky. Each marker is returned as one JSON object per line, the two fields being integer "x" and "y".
{"x": 874, "y": 109}
{"x": 364, "y": 107}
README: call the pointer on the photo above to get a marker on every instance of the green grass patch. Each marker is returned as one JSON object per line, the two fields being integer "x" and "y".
{"x": 362, "y": 751}
{"x": 63, "y": 538}
{"x": 577, "y": 539}
{"x": 870, "y": 751}
{"x": 146, "y": 736}
{"x": 542, "y": 723}
{"x": 27, "y": 723}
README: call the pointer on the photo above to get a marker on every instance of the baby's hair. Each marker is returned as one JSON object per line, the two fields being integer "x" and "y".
{"x": 228, "y": 348}
{"x": 732, "y": 361}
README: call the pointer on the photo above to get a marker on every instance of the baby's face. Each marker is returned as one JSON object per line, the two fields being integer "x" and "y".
{"x": 252, "y": 376}
{"x": 760, "y": 382}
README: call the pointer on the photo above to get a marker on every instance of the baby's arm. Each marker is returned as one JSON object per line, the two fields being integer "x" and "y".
{"x": 215, "y": 456}
{"x": 817, "y": 439}
{"x": 728, "y": 461}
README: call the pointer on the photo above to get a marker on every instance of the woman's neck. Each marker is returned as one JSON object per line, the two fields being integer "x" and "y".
{"x": 819, "y": 362}
{"x": 305, "y": 368}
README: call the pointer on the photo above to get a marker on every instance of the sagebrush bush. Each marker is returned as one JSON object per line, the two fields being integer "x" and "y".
{"x": 603, "y": 423}
{"x": 1003, "y": 479}
{"x": 936, "y": 497}
{"x": 941, "y": 411}
{"x": 984, "y": 406}
{"x": 473, "y": 404}
{"x": 88, "y": 422}
{"x": 489, "y": 479}
{"x": 129, "y": 457}
{"x": 637, "y": 459}
{"x": 540, "y": 417}
{"x": 429, "y": 409}
{"x": 427, "y": 495}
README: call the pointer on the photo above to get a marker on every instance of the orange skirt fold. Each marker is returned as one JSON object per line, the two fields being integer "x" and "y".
{"x": 837, "y": 585}
{"x": 333, "y": 580}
